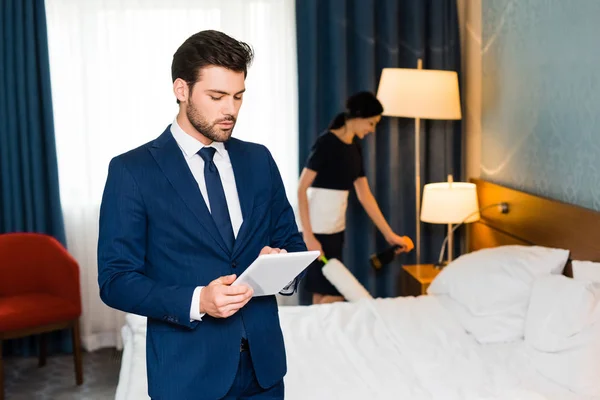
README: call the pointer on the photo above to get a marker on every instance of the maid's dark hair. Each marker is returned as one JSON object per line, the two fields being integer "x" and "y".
{"x": 359, "y": 105}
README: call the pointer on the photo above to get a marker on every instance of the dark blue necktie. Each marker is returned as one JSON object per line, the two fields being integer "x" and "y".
{"x": 216, "y": 196}
{"x": 218, "y": 202}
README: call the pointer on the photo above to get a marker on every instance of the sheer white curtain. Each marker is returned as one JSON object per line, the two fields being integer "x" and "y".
{"x": 111, "y": 86}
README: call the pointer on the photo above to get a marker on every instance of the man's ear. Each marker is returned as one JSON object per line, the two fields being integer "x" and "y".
{"x": 181, "y": 90}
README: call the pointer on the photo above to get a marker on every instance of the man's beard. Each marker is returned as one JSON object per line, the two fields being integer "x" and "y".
{"x": 211, "y": 131}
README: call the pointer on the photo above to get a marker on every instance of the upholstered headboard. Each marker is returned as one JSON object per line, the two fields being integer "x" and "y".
{"x": 534, "y": 220}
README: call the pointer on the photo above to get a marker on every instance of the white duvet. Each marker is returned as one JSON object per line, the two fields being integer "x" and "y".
{"x": 402, "y": 348}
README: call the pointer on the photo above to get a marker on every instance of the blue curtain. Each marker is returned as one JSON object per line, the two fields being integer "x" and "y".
{"x": 29, "y": 194}
{"x": 342, "y": 47}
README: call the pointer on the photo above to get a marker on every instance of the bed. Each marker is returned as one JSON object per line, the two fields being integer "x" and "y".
{"x": 421, "y": 347}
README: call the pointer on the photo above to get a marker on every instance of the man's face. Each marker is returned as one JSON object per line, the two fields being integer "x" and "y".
{"x": 214, "y": 101}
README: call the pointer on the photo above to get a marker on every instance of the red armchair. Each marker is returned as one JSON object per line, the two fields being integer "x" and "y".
{"x": 39, "y": 293}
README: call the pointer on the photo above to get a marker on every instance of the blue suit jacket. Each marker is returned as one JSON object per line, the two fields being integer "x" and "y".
{"x": 158, "y": 242}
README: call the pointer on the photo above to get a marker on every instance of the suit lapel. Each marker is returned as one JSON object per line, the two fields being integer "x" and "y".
{"x": 172, "y": 163}
{"x": 242, "y": 171}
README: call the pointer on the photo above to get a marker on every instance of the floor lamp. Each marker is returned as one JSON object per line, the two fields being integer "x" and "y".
{"x": 420, "y": 94}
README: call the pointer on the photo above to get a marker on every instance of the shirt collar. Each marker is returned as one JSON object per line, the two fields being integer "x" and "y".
{"x": 190, "y": 145}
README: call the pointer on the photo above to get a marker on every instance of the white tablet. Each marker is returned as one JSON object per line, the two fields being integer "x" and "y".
{"x": 270, "y": 273}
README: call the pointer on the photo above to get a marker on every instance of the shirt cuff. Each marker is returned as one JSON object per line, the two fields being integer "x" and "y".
{"x": 195, "y": 307}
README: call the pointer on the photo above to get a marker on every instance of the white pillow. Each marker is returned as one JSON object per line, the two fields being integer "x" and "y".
{"x": 493, "y": 286}
{"x": 486, "y": 329}
{"x": 586, "y": 271}
{"x": 562, "y": 332}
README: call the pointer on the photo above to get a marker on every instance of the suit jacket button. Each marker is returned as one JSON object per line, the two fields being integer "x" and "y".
{"x": 234, "y": 264}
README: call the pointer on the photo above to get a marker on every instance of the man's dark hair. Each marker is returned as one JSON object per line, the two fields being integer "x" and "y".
{"x": 209, "y": 48}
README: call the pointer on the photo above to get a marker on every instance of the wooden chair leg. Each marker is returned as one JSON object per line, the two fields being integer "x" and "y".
{"x": 77, "y": 353}
{"x": 43, "y": 349}
{"x": 1, "y": 373}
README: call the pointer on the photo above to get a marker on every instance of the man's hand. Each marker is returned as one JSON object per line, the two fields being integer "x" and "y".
{"x": 221, "y": 300}
{"x": 406, "y": 245}
{"x": 270, "y": 250}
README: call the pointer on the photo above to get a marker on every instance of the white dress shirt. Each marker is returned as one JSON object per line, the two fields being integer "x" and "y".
{"x": 190, "y": 147}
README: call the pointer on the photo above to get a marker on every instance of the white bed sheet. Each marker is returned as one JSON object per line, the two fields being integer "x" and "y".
{"x": 133, "y": 381}
{"x": 403, "y": 348}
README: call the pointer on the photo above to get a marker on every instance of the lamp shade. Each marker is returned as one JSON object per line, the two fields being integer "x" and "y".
{"x": 419, "y": 93}
{"x": 450, "y": 203}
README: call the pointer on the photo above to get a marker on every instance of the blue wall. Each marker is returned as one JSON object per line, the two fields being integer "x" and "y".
{"x": 541, "y": 97}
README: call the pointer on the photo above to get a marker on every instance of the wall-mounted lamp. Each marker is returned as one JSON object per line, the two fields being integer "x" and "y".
{"x": 454, "y": 204}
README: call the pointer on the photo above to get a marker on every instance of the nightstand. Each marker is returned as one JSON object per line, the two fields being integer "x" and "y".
{"x": 415, "y": 279}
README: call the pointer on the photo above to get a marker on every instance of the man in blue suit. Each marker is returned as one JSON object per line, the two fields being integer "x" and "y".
{"x": 181, "y": 217}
